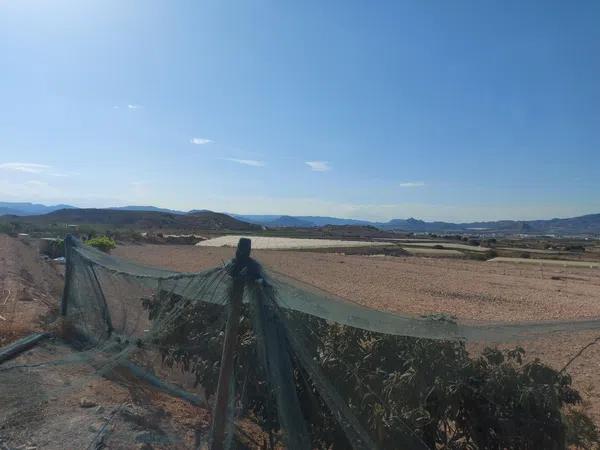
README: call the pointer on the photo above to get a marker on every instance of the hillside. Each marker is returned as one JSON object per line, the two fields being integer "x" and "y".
{"x": 299, "y": 221}
{"x": 589, "y": 224}
{"x": 148, "y": 208}
{"x": 153, "y": 217}
{"x": 28, "y": 209}
{"x": 204, "y": 220}
{"x": 289, "y": 221}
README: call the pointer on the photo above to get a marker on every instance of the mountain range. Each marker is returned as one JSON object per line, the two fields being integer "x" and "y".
{"x": 140, "y": 219}
{"x": 28, "y": 209}
{"x": 588, "y": 224}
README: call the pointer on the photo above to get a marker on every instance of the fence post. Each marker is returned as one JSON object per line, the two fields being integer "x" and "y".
{"x": 242, "y": 256}
{"x": 69, "y": 244}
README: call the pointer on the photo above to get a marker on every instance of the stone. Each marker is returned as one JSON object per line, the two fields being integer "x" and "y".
{"x": 85, "y": 402}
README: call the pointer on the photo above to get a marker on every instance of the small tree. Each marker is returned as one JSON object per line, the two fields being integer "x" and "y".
{"x": 449, "y": 398}
{"x": 102, "y": 243}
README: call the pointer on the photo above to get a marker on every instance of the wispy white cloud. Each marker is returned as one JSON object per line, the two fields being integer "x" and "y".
{"x": 318, "y": 166}
{"x": 41, "y": 169}
{"x": 412, "y": 184}
{"x": 133, "y": 107}
{"x": 200, "y": 141}
{"x": 63, "y": 174}
{"x": 24, "y": 167}
{"x": 37, "y": 184}
{"x": 247, "y": 162}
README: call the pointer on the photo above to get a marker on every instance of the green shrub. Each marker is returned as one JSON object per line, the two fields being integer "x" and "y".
{"x": 102, "y": 243}
{"x": 55, "y": 249}
{"x": 450, "y": 399}
{"x": 491, "y": 254}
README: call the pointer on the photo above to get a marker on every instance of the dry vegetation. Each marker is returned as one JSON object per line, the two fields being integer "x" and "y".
{"x": 28, "y": 289}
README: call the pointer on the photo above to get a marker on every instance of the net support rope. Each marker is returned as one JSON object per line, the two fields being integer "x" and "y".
{"x": 308, "y": 299}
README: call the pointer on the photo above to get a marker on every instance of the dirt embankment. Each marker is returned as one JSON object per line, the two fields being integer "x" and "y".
{"x": 30, "y": 289}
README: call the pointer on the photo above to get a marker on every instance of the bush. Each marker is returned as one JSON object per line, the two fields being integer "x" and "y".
{"x": 54, "y": 249}
{"x": 490, "y": 254}
{"x": 5, "y": 228}
{"x": 102, "y": 243}
{"x": 450, "y": 399}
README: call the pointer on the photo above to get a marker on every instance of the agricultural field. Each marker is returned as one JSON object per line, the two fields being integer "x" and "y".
{"x": 470, "y": 290}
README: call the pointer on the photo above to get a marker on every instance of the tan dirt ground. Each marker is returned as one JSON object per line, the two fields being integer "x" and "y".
{"x": 39, "y": 405}
{"x": 29, "y": 289}
{"x": 469, "y": 290}
{"x": 42, "y": 408}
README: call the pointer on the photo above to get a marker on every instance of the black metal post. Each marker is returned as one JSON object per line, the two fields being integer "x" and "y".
{"x": 69, "y": 244}
{"x": 242, "y": 257}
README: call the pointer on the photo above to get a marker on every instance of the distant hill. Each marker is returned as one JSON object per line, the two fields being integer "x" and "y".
{"x": 148, "y": 208}
{"x": 289, "y": 221}
{"x": 28, "y": 209}
{"x": 418, "y": 226}
{"x": 204, "y": 220}
{"x": 321, "y": 221}
{"x": 588, "y": 224}
{"x": 307, "y": 221}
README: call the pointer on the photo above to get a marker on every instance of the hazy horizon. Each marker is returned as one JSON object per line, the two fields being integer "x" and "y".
{"x": 276, "y": 214}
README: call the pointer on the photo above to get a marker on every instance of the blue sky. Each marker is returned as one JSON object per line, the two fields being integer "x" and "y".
{"x": 433, "y": 109}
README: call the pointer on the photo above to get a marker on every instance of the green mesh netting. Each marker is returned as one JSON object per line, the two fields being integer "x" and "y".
{"x": 310, "y": 370}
